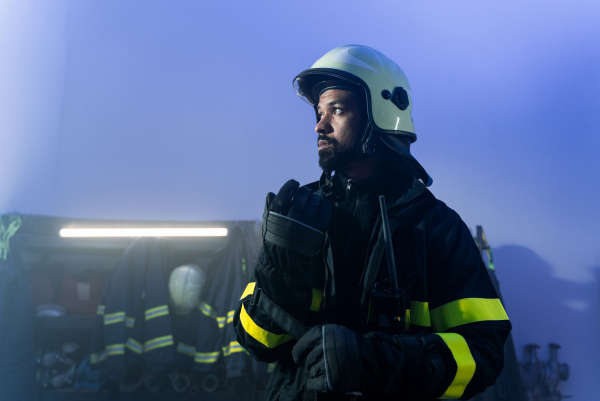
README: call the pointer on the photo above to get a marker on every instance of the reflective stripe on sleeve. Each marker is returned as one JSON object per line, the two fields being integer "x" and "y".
{"x": 467, "y": 310}
{"x": 419, "y": 314}
{"x": 233, "y": 347}
{"x": 186, "y": 349}
{"x": 266, "y": 338}
{"x": 157, "y": 312}
{"x": 317, "y": 298}
{"x": 159, "y": 342}
{"x": 249, "y": 290}
{"x": 134, "y": 346}
{"x": 206, "y": 357}
{"x": 465, "y": 364}
{"x": 115, "y": 349}
{"x": 230, "y": 316}
{"x": 116, "y": 317}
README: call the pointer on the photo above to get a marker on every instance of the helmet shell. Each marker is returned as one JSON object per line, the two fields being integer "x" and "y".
{"x": 185, "y": 288}
{"x": 372, "y": 71}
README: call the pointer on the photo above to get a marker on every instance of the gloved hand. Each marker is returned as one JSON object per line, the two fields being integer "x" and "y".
{"x": 293, "y": 224}
{"x": 288, "y": 267}
{"x": 337, "y": 359}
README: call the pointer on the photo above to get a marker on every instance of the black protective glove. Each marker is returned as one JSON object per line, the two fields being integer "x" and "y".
{"x": 288, "y": 265}
{"x": 293, "y": 224}
{"x": 337, "y": 360}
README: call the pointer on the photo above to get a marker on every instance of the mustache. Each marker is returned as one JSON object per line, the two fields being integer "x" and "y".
{"x": 326, "y": 139}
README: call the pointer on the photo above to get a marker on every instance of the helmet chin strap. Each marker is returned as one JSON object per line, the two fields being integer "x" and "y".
{"x": 369, "y": 142}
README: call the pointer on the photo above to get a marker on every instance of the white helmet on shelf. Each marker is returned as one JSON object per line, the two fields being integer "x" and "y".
{"x": 185, "y": 288}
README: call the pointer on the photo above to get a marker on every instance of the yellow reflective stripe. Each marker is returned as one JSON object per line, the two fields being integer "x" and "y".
{"x": 129, "y": 322}
{"x": 186, "y": 349}
{"x": 249, "y": 290}
{"x": 134, "y": 346}
{"x": 115, "y": 349}
{"x": 465, "y": 364}
{"x": 158, "y": 342}
{"x": 230, "y": 316}
{"x": 116, "y": 317}
{"x": 419, "y": 314}
{"x": 206, "y": 309}
{"x": 221, "y": 321}
{"x": 467, "y": 310}
{"x": 317, "y": 298}
{"x": 97, "y": 358}
{"x": 157, "y": 312}
{"x": 206, "y": 357}
{"x": 100, "y": 310}
{"x": 233, "y": 347}
{"x": 266, "y": 338}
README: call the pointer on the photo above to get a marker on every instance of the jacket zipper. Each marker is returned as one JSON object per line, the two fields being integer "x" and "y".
{"x": 350, "y": 191}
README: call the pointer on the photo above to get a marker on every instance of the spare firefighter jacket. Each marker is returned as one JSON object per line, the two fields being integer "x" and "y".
{"x": 449, "y": 327}
{"x": 229, "y": 272}
{"x": 133, "y": 316}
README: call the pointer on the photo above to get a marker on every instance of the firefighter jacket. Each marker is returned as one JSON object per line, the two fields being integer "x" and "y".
{"x": 133, "y": 321}
{"x": 229, "y": 271}
{"x": 447, "y": 322}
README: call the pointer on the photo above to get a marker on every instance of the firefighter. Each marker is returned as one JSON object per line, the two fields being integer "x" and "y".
{"x": 346, "y": 311}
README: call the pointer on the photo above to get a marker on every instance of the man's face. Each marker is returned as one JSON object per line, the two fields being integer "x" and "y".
{"x": 338, "y": 127}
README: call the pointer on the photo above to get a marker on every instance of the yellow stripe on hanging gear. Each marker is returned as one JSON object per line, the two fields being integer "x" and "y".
{"x": 115, "y": 349}
{"x": 207, "y": 357}
{"x": 467, "y": 310}
{"x": 97, "y": 358}
{"x": 465, "y": 365}
{"x": 232, "y": 348}
{"x": 186, "y": 349}
{"x": 266, "y": 338}
{"x": 159, "y": 342}
{"x": 317, "y": 299}
{"x": 100, "y": 310}
{"x": 134, "y": 346}
{"x": 129, "y": 322}
{"x": 207, "y": 310}
{"x": 249, "y": 290}
{"x": 230, "y": 316}
{"x": 157, "y": 312}
{"x": 113, "y": 318}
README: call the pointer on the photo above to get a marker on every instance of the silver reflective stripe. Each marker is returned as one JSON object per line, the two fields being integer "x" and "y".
{"x": 325, "y": 359}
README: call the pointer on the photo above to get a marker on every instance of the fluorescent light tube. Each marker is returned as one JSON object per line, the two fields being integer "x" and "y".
{"x": 143, "y": 232}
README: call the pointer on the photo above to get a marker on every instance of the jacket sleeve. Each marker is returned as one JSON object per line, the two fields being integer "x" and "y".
{"x": 253, "y": 322}
{"x": 464, "y": 326}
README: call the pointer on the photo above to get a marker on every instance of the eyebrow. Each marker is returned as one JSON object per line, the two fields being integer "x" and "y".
{"x": 333, "y": 103}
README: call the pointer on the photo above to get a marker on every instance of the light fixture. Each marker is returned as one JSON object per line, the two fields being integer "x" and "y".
{"x": 143, "y": 232}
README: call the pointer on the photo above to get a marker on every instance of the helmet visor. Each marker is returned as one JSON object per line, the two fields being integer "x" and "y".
{"x": 310, "y": 84}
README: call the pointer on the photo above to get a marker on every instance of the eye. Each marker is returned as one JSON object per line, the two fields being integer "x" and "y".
{"x": 337, "y": 110}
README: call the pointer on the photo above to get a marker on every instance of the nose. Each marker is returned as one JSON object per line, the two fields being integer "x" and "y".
{"x": 323, "y": 125}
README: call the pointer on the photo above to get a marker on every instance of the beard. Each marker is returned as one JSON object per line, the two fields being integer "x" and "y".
{"x": 332, "y": 158}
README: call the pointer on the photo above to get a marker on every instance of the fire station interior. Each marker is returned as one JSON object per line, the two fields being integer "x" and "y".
{"x": 60, "y": 327}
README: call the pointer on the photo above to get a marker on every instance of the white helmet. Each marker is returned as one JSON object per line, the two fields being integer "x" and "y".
{"x": 387, "y": 92}
{"x": 185, "y": 288}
